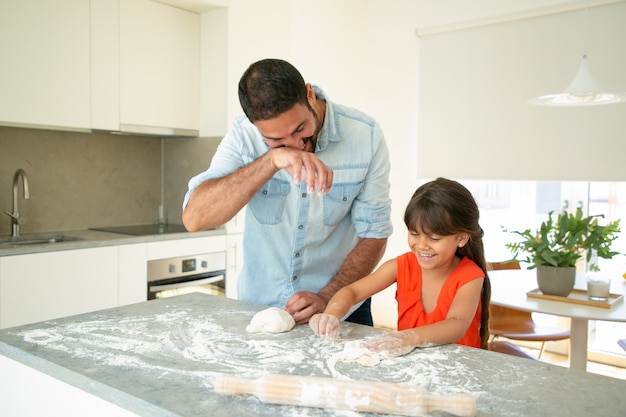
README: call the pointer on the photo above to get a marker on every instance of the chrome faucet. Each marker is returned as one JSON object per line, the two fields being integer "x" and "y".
{"x": 15, "y": 216}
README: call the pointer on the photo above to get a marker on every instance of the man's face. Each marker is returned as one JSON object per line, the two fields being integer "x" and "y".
{"x": 295, "y": 128}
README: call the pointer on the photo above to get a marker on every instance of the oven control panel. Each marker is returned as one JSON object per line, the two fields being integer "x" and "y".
{"x": 186, "y": 265}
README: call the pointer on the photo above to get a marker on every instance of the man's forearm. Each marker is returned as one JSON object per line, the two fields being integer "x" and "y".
{"x": 216, "y": 201}
{"x": 360, "y": 262}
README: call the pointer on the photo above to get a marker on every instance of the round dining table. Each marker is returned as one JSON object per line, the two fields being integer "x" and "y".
{"x": 510, "y": 288}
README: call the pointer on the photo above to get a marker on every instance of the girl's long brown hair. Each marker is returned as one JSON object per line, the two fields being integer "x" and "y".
{"x": 445, "y": 207}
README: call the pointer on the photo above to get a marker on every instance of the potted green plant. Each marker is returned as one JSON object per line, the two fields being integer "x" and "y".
{"x": 559, "y": 243}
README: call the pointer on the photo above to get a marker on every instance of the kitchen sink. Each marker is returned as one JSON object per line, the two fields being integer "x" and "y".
{"x": 36, "y": 239}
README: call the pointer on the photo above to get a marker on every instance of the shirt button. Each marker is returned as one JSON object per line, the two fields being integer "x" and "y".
{"x": 297, "y": 254}
{"x": 264, "y": 192}
{"x": 294, "y": 278}
{"x": 345, "y": 198}
{"x": 300, "y": 227}
{"x": 303, "y": 195}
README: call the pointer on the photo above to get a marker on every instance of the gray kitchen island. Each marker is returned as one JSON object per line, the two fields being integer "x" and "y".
{"x": 161, "y": 358}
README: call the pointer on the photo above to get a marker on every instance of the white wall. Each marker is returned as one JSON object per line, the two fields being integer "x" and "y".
{"x": 257, "y": 29}
{"x": 393, "y": 76}
{"x": 365, "y": 53}
{"x": 329, "y": 46}
{"x": 362, "y": 53}
{"x": 476, "y": 82}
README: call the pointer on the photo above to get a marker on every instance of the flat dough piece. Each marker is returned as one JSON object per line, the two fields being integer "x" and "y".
{"x": 354, "y": 352}
{"x": 271, "y": 320}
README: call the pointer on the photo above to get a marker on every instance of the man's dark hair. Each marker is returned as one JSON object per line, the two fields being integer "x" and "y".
{"x": 269, "y": 88}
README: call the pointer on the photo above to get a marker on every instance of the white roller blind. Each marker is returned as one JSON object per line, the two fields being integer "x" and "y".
{"x": 474, "y": 121}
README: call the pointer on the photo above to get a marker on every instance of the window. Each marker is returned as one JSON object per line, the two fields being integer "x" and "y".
{"x": 518, "y": 205}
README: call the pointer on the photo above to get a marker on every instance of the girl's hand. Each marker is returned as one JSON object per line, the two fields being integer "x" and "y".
{"x": 390, "y": 345}
{"x": 325, "y": 325}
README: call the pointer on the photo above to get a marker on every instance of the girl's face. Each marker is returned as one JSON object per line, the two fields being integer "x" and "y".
{"x": 433, "y": 251}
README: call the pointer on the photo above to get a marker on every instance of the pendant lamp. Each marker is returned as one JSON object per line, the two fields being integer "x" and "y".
{"x": 583, "y": 90}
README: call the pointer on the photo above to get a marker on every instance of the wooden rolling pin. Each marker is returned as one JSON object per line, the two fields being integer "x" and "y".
{"x": 373, "y": 397}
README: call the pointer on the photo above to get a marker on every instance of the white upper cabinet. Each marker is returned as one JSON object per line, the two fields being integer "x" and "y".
{"x": 159, "y": 65}
{"x": 145, "y": 67}
{"x": 44, "y": 68}
{"x": 116, "y": 65}
{"x": 213, "y": 62}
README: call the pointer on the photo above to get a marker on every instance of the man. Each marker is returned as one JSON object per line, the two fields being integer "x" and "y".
{"x": 315, "y": 178}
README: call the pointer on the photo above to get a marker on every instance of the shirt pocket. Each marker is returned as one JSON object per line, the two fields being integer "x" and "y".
{"x": 338, "y": 202}
{"x": 268, "y": 204}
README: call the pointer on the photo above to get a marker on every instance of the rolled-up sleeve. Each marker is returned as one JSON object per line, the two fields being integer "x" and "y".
{"x": 231, "y": 155}
{"x": 371, "y": 213}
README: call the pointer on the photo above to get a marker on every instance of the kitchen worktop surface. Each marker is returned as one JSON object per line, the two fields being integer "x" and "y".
{"x": 161, "y": 357}
{"x": 90, "y": 238}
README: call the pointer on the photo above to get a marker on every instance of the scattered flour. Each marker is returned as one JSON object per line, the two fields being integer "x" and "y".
{"x": 179, "y": 343}
{"x": 153, "y": 342}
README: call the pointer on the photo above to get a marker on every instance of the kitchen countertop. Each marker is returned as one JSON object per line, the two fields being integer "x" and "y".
{"x": 161, "y": 357}
{"x": 88, "y": 238}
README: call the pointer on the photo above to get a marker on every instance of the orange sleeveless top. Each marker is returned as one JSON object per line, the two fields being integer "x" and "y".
{"x": 411, "y": 312}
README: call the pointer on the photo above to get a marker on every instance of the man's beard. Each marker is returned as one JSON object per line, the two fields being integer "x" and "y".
{"x": 318, "y": 128}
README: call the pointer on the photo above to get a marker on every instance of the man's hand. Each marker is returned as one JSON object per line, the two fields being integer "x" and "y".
{"x": 303, "y": 167}
{"x": 303, "y": 304}
{"x": 325, "y": 325}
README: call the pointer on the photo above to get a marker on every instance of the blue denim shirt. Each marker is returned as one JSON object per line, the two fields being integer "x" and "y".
{"x": 297, "y": 241}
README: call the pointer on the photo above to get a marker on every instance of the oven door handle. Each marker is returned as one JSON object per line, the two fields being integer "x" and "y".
{"x": 210, "y": 280}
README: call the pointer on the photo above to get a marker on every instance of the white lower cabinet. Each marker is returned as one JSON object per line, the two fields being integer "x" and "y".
{"x": 54, "y": 397}
{"x": 45, "y": 286}
{"x": 234, "y": 262}
{"x": 132, "y": 275}
{"x": 184, "y": 247}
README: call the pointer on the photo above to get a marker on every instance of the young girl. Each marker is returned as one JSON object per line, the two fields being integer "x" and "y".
{"x": 443, "y": 290}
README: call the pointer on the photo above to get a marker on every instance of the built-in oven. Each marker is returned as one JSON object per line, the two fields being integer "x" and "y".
{"x": 195, "y": 273}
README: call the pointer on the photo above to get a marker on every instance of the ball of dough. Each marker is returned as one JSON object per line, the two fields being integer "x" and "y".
{"x": 272, "y": 320}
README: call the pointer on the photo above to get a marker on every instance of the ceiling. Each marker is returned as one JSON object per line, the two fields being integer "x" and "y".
{"x": 449, "y": 15}
{"x": 198, "y": 6}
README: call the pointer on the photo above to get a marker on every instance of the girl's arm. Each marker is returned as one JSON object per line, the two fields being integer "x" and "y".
{"x": 327, "y": 323}
{"x": 450, "y": 330}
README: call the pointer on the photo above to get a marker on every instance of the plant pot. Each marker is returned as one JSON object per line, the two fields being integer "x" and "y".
{"x": 556, "y": 280}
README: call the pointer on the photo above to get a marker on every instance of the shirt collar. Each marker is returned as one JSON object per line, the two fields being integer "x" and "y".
{"x": 330, "y": 130}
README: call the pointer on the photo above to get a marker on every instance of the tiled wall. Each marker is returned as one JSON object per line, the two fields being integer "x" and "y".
{"x": 184, "y": 158}
{"x": 80, "y": 180}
